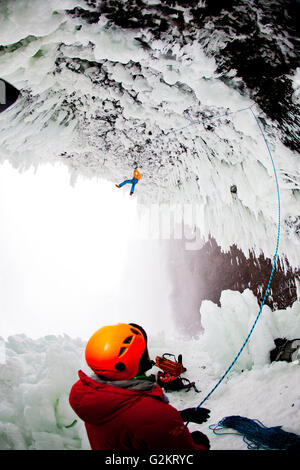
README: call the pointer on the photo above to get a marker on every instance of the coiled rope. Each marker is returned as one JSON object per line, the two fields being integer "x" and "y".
{"x": 256, "y": 435}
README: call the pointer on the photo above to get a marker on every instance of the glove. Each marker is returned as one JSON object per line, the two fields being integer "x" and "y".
{"x": 195, "y": 415}
{"x": 200, "y": 438}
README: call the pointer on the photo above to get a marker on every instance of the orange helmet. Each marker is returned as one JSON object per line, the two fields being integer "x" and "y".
{"x": 115, "y": 351}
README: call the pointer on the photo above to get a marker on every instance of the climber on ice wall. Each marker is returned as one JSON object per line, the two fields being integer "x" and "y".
{"x": 136, "y": 177}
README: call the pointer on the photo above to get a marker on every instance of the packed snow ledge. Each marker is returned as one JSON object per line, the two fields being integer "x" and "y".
{"x": 36, "y": 377}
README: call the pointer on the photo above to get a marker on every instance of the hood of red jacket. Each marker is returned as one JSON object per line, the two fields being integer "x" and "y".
{"x": 95, "y": 402}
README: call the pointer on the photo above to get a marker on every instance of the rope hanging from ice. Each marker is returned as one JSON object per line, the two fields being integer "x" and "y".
{"x": 195, "y": 122}
{"x": 272, "y": 272}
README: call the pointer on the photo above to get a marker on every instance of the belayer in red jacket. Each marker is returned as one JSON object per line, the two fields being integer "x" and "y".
{"x": 121, "y": 407}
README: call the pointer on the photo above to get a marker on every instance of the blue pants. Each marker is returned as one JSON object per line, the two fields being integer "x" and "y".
{"x": 132, "y": 182}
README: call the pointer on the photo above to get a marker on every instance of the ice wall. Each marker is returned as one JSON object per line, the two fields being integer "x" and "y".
{"x": 226, "y": 328}
{"x": 99, "y": 97}
{"x": 36, "y": 376}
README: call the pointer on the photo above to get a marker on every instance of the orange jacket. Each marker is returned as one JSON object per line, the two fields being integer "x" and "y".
{"x": 137, "y": 174}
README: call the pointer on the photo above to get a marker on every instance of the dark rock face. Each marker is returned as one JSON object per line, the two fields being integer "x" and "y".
{"x": 264, "y": 60}
{"x": 204, "y": 274}
{"x": 258, "y": 40}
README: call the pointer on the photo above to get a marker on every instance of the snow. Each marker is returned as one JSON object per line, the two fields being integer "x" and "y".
{"x": 226, "y": 327}
{"x": 37, "y": 375}
{"x": 35, "y": 379}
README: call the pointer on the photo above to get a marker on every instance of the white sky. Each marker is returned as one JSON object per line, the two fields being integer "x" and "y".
{"x": 62, "y": 249}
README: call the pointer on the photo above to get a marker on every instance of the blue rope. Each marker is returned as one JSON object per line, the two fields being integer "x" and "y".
{"x": 271, "y": 276}
{"x": 256, "y": 435}
{"x": 278, "y": 232}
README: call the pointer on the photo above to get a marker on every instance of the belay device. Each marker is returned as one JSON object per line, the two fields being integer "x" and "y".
{"x": 169, "y": 375}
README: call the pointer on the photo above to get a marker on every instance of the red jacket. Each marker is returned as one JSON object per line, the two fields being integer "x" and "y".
{"x": 125, "y": 419}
